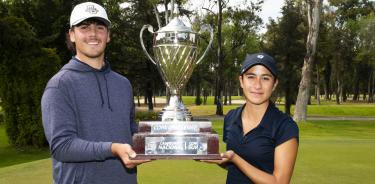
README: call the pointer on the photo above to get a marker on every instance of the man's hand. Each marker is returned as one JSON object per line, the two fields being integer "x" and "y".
{"x": 125, "y": 153}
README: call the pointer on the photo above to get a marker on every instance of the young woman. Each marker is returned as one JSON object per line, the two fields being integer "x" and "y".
{"x": 262, "y": 142}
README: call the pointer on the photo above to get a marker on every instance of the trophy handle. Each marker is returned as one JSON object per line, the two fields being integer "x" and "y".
{"x": 150, "y": 29}
{"x": 206, "y": 28}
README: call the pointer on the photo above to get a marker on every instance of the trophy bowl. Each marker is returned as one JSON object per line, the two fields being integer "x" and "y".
{"x": 175, "y": 52}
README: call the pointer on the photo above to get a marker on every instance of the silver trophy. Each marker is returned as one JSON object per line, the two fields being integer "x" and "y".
{"x": 175, "y": 48}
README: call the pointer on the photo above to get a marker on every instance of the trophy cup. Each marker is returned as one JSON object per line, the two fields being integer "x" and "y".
{"x": 176, "y": 136}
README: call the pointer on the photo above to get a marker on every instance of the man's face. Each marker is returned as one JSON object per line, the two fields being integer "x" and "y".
{"x": 257, "y": 84}
{"x": 90, "y": 37}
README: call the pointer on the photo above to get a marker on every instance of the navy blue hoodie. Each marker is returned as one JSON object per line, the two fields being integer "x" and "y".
{"x": 84, "y": 110}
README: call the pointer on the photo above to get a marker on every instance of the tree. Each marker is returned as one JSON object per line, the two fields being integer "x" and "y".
{"x": 284, "y": 40}
{"x": 366, "y": 55}
{"x": 313, "y": 14}
{"x": 25, "y": 67}
{"x": 349, "y": 73}
{"x": 240, "y": 34}
{"x": 220, "y": 58}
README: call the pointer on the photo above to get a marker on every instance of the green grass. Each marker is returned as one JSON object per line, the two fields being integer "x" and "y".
{"x": 190, "y": 100}
{"x": 36, "y": 172}
{"x": 336, "y": 152}
{"x": 357, "y": 110}
{"x": 330, "y": 152}
{"x": 10, "y": 155}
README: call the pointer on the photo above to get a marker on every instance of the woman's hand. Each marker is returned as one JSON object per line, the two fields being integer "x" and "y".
{"x": 225, "y": 158}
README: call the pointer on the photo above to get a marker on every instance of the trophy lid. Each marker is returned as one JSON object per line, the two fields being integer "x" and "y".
{"x": 175, "y": 25}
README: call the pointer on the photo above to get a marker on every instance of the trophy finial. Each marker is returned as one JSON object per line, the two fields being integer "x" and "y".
{"x": 175, "y": 25}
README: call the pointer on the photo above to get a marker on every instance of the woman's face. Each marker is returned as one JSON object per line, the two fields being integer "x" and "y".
{"x": 257, "y": 84}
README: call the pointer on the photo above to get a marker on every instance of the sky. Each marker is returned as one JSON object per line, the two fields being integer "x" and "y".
{"x": 270, "y": 8}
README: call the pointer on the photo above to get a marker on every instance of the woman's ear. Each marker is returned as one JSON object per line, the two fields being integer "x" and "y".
{"x": 240, "y": 79}
{"x": 275, "y": 84}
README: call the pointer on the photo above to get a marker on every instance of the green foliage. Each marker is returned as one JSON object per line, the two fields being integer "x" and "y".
{"x": 285, "y": 41}
{"x": 25, "y": 67}
{"x": 124, "y": 51}
{"x": 146, "y": 116}
{"x": 3, "y": 9}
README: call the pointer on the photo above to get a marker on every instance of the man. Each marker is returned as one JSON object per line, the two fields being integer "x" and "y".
{"x": 87, "y": 109}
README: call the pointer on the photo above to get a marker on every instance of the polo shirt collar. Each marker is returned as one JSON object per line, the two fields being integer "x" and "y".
{"x": 267, "y": 117}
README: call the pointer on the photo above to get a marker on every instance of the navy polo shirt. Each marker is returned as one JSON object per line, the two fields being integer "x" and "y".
{"x": 257, "y": 147}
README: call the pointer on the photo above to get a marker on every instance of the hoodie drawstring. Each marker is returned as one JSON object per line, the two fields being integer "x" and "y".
{"x": 99, "y": 88}
{"x": 106, "y": 87}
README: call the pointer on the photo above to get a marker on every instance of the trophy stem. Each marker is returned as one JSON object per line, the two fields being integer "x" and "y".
{"x": 176, "y": 110}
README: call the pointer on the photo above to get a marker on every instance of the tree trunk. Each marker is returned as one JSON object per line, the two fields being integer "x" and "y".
{"x": 369, "y": 87}
{"x": 356, "y": 85}
{"x": 138, "y": 101}
{"x": 166, "y": 12}
{"x": 230, "y": 92}
{"x": 225, "y": 95}
{"x": 356, "y": 91}
{"x": 373, "y": 87}
{"x": 314, "y": 9}
{"x": 205, "y": 95}
{"x": 149, "y": 96}
{"x": 219, "y": 105}
{"x": 338, "y": 92}
{"x": 327, "y": 80}
{"x": 288, "y": 104}
{"x": 317, "y": 86}
{"x": 364, "y": 96}
{"x": 198, "y": 92}
{"x": 325, "y": 91}
{"x": 154, "y": 99}
{"x": 287, "y": 87}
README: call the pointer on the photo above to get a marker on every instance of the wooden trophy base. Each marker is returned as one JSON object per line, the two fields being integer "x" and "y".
{"x": 189, "y": 140}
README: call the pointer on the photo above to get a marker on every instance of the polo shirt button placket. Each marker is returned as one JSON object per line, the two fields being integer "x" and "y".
{"x": 243, "y": 140}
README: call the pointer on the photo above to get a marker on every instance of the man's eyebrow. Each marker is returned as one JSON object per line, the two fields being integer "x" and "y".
{"x": 268, "y": 75}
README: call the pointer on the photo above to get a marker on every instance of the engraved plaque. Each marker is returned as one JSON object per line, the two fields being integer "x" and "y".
{"x": 176, "y": 140}
{"x": 177, "y": 145}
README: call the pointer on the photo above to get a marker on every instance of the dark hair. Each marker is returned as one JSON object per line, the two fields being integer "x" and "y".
{"x": 69, "y": 44}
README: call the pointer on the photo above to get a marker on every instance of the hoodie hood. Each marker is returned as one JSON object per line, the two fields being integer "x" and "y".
{"x": 78, "y": 66}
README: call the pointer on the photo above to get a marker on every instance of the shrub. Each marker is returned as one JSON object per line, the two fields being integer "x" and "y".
{"x": 146, "y": 116}
{"x": 25, "y": 68}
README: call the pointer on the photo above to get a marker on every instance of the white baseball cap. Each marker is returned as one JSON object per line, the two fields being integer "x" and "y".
{"x": 87, "y": 10}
